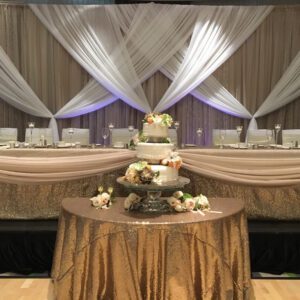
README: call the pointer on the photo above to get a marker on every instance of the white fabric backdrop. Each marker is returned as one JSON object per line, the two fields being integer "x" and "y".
{"x": 285, "y": 91}
{"x": 155, "y": 37}
{"x": 218, "y": 33}
{"x": 16, "y": 91}
{"x": 149, "y": 29}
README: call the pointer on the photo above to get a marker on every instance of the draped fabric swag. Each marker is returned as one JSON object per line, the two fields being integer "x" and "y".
{"x": 262, "y": 168}
{"x": 149, "y": 28}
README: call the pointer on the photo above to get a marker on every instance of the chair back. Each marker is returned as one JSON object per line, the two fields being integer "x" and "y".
{"x": 290, "y": 136}
{"x": 121, "y": 135}
{"x": 81, "y": 135}
{"x": 230, "y": 136}
{"x": 37, "y": 133}
{"x": 8, "y": 134}
{"x": 260, "y": 136}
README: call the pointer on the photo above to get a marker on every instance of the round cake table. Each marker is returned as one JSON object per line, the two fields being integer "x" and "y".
{"x": 120, "y": 255}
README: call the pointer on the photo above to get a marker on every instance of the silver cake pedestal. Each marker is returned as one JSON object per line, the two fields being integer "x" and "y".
{"x": 152, "y": 202}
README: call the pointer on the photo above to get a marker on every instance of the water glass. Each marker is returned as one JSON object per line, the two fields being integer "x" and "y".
{"x": 239, "y": 130}
{"x": 199, "y": 132}
{"x": 277, "y": 129}
{"x": 105, "y": 135}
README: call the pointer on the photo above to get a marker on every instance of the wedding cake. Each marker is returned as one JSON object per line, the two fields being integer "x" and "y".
{"x": 158, "y": 162}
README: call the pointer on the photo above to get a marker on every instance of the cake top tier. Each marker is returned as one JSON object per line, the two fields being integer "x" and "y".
{"x": 158, "y": 119}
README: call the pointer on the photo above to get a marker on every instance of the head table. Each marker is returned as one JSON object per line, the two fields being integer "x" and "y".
{"x": 115, "y": 254}
{"x": 33, "y": 182}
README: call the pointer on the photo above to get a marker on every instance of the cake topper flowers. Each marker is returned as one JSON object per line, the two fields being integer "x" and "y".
{"x": 159, "y": 119}
{"x": 103, "y": 199}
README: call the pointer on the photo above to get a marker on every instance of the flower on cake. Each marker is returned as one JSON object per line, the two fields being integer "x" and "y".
{"x": 140, "y": 173}
{"x": 138, "y": 138}
{"x": 159, "y": 119}
{"x": 183, "y": 202}
{"x": 131, "y": 200}
{"x": 173, "y": 160}
{"x": 103, "y": 199}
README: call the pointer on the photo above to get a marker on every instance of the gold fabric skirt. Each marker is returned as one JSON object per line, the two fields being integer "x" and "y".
{"x": 114, "y": 254}
{"x": 43, "y": 201}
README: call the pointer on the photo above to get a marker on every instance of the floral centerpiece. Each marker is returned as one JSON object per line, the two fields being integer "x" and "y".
{"x": 179, "y": 202}
{"x": 104, "y": 199}
{"x": 140, "y": 173}
{"x": 157, "y": 118}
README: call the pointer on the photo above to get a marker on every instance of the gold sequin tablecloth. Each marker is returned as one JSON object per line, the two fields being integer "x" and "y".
{"x": 114, "y": 254}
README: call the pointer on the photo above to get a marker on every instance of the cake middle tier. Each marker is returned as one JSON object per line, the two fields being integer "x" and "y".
{"x": 154, "y": 152}
{"x": 166, "y": 173}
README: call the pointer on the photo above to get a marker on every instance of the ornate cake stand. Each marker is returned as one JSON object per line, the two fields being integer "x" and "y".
{"x": 152, "y": 202}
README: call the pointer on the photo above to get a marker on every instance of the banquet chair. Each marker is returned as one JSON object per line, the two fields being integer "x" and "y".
{"x": 173, "y": 136}
{"x": 230, "y": 136}
{"x": 260, "y": 136}
{"x": 81, "y": 135}
{"x": 290, "y": 136}
{"x": 37, "y": 133}
{"x": 8, "y": 134}
{"x": 122, "y": 135}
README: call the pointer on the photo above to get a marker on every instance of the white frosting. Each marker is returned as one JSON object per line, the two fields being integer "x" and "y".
{"x": 155, "y": 130}
{"x": 153, "y": 152}
{"x": 165, "y": 173}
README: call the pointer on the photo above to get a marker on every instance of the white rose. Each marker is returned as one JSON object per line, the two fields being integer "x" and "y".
{"x": 127, "y": 203}
{"x": 173, "y": 202}
{"x": 157, "y": 120}
{"x": 202, "y": 201}
{"x": 189, "y": 204}
{"x": 178, "y": 194}
{"x": 164, "y": 161}
{"x": 179, "y": 208}
{"x": 104, "y": 198}
{"x": 132, "y": 198}
{"x": 96, "y": 201}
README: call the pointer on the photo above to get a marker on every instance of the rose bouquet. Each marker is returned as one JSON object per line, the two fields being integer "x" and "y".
{"x": 182, "y": 202}
{"x": 103, "y": 199}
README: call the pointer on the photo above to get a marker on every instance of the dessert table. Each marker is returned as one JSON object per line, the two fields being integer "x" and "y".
{"x": 115, "y": 254}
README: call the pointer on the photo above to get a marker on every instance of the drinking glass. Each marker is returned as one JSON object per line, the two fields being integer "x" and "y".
{"x": 130, "y": 129}
{"x": 31, "y": 126}
{"x": 277, "y": 129}
{"x": 111, "y": 126}
{"x": 222, "y": 134}
{"x": 71, "y": 132}
{"x": 269, "y": 134}
{"x": 199, "y": 132}
{"x": 239, "y": 130}
{"x": 105, "y": 135}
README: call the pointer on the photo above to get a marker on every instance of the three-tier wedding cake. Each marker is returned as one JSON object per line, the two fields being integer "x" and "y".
{"x": 158, "y": 161}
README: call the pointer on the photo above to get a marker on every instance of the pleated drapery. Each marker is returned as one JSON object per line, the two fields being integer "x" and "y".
{"x": 239, "y": 75}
